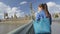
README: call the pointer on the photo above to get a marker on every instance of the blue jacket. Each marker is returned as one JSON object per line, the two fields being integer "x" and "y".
{"x": 40, "y": 15}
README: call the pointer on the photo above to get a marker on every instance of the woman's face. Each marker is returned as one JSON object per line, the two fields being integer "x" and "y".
{"x": 39, "y": 8}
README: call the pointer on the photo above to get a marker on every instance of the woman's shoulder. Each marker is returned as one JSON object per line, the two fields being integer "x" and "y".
{"x": 42, "y": 11}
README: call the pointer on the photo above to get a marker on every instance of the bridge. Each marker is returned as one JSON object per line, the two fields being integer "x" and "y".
{"x": 25, "y": 29}
{"x": 28, "y": 28}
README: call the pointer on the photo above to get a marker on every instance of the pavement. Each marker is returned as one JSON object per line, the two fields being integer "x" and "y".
{"x": 55, "y": 27}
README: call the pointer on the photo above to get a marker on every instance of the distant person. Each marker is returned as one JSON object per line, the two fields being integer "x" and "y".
{"x": 42, "y": 22}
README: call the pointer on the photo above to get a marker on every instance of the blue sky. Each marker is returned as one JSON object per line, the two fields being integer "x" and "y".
{"x": 25, "y": 7}
{"x": 22, "y": 7}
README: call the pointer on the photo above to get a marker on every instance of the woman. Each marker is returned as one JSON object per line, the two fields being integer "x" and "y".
{"x": 42, "y": 21}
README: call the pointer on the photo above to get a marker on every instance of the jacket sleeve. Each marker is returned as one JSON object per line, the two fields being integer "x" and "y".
{"x": 38, "y": 16}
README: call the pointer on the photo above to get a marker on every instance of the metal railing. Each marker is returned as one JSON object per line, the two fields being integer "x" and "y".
{"x": 25, "y": 29}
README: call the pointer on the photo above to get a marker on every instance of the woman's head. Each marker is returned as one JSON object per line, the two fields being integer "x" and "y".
{"x": 45, "y": 8}
{"x": 40, "y": 7}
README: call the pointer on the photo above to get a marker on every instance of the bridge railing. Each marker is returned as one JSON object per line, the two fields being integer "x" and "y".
{"x": 24, "y": 29}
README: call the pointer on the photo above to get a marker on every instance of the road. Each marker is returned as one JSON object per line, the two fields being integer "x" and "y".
{"x": 55, "y": 27}
{"x": 6, "y": 28}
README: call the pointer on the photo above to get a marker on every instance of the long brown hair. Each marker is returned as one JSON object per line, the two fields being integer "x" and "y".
{"x": 46, "y": 10}
{"x": 47, "y": 13}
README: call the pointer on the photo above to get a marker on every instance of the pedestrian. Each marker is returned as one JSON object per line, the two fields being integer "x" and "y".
{"x": 42, "y": 22}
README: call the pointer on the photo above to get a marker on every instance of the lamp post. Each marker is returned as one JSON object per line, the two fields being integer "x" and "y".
{"x": 32, "y": 12}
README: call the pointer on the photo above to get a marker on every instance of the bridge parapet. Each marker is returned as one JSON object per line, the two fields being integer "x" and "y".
{"x": 24, "y": 29}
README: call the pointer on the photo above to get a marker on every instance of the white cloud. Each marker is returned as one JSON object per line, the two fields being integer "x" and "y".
{"x": 20, "y": 14}
{"x": 24, "y": 2}
{"x": 53, "y": 7}
{"x": 50, "y": 4}
{"x": 5, "y": 8}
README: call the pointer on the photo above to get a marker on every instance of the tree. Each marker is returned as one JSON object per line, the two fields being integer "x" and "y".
{"x": 56, "y": 16}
